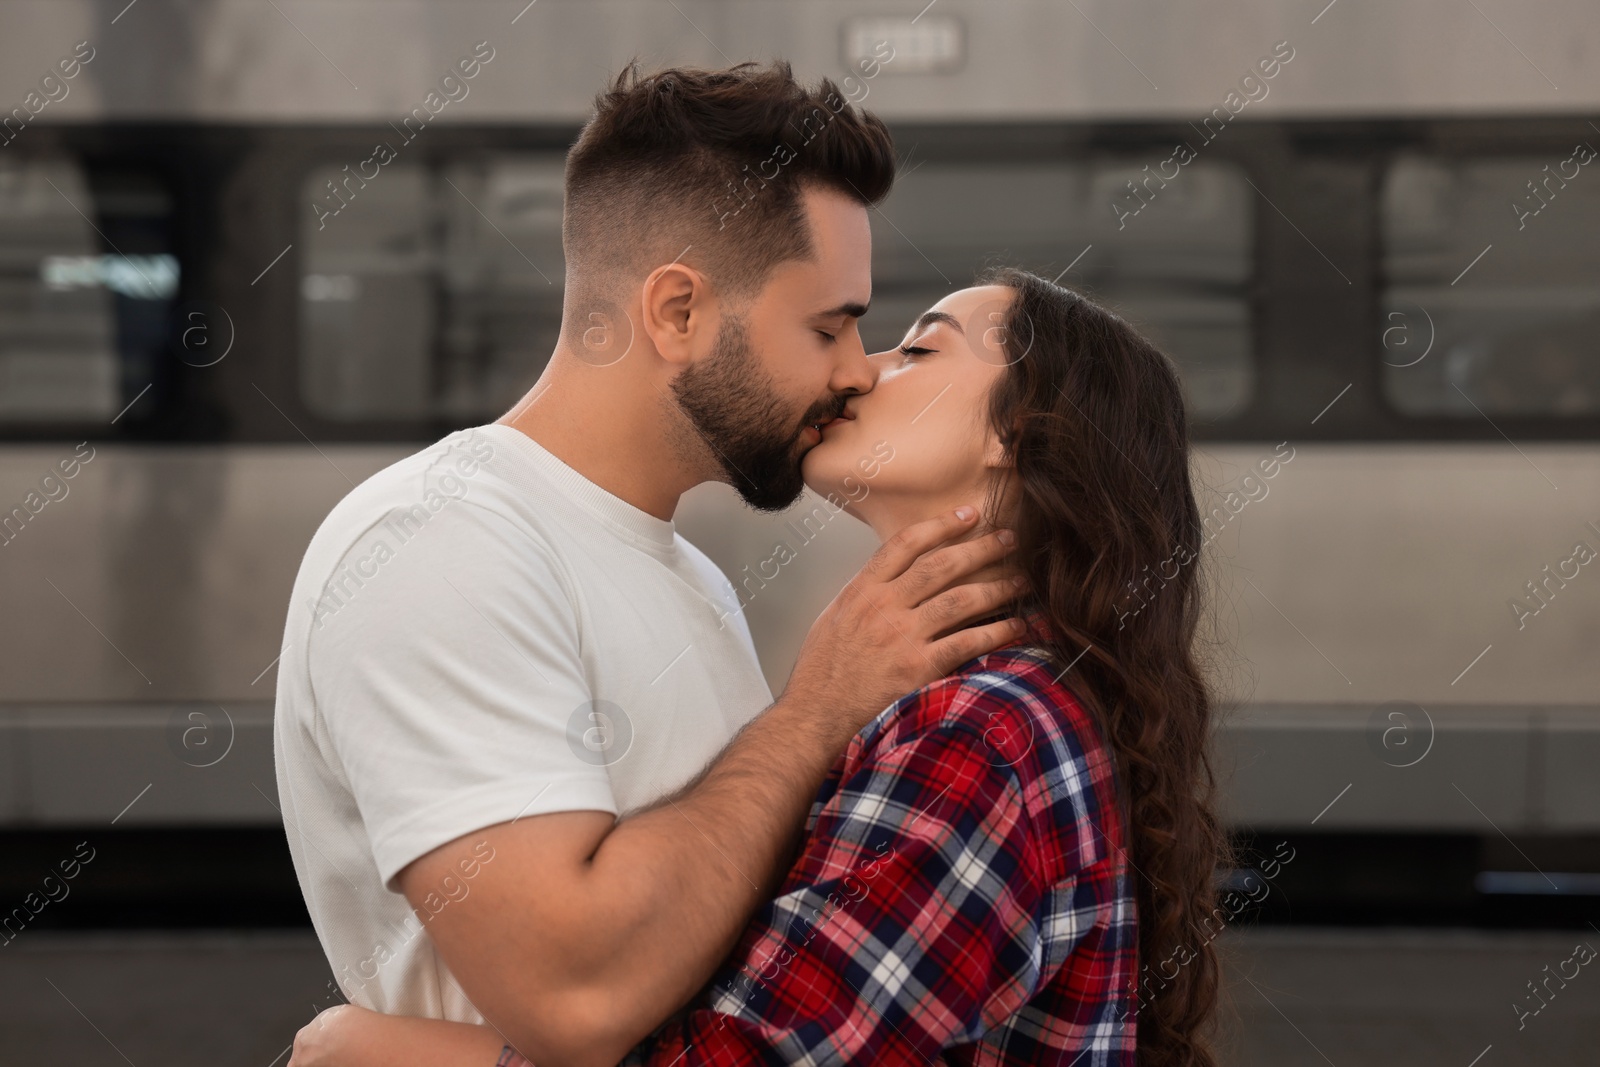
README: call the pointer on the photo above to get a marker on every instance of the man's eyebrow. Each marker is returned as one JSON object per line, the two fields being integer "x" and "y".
{"x": 930, "y": 317}
{"x": 851, "y": 310}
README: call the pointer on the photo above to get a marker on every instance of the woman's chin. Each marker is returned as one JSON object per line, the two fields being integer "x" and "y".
{"x": 818, "y": 471}
{"x": 827, "y": 488}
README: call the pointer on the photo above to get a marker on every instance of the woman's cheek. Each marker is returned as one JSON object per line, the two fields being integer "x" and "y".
{"x": 930, "y": 455}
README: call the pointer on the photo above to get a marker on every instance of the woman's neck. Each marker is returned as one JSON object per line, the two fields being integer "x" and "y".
{"x": 893, "y": 516}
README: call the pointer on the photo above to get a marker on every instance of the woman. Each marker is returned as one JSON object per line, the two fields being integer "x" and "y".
{"x": 978, "y": 862}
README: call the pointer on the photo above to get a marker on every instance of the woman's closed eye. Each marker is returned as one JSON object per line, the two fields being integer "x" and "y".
{"x": 915, "y": 350}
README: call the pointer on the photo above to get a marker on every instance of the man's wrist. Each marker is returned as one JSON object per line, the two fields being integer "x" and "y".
{"x": 814, "y": 724}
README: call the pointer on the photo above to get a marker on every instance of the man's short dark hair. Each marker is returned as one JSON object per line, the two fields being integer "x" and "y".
{"x": 715, "y": 160}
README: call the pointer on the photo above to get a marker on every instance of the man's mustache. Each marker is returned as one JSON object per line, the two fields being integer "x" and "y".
{"x": 826, "y": 411}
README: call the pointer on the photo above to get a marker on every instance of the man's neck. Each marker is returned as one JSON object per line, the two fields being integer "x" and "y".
{"x": 610, "y": 429}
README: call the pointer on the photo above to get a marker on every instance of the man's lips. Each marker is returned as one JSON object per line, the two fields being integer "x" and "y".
{"x": 842, "y": 417}
{"x": 811, "y": 434}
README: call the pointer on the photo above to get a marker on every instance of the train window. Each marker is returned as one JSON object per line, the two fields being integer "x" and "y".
{"x": 430, "y": 292}
{"x": 80, "y": 310}
{"x": 1180, "y": 268}
{"x": 1491, "y": 300}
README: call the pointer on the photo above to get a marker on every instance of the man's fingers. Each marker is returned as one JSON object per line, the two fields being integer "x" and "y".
{"x": 974, "y": 600}
{"x": 937, "y": 571}
{"x": 902, "y": 550}
{"x": 972, "y": 642}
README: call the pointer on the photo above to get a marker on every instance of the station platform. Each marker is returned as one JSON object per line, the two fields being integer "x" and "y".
{"x": 1295, "y": 997}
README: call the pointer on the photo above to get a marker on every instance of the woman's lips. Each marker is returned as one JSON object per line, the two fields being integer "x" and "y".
{"x": 836, "y": 422}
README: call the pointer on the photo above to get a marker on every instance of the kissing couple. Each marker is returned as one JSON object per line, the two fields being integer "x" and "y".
{"x": 541, "y": 802}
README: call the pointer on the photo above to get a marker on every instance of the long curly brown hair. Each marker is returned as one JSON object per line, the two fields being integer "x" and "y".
{"x": 1108, "y": 534}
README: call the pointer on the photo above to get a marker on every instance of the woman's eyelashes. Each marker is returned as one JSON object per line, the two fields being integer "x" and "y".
{"x": 915, "y": 350}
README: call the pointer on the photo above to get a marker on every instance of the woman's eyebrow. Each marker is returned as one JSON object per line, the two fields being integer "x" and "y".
{"x": 930, "y": 317}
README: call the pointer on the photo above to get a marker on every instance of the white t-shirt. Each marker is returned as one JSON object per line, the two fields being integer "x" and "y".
{"x": 479, "y": 633}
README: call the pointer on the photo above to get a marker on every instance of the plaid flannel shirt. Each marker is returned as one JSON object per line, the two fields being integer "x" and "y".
{"x": 962, "y": 897}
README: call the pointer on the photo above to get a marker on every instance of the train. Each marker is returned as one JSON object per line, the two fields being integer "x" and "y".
{"x": 253, "y": 251}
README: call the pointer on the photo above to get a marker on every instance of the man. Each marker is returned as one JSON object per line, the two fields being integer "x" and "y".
{"x": 499, "y": 644}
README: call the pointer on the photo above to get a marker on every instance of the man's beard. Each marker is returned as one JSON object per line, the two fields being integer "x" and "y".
{"x": 732, "y": 401}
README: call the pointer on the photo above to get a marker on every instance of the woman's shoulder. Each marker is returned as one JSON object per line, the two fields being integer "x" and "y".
{"x": 1014, "y": 702}
{"x": 1012, "y": 698}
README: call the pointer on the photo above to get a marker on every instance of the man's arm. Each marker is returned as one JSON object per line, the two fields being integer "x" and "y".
{"x": 585, "y": 932}
{"x": 912, "y": 922}
{"x": 351, "y": 1036}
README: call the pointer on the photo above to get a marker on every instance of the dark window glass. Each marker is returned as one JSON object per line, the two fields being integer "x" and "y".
{"x": 431, "y": 293}
{"x": 438, "y": 292}
{"x": 1179, "y": 268}
{"x": 86, "y": 284}
{"x": 1491, "y": 298}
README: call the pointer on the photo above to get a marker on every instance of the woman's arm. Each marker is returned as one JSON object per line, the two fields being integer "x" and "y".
{"x": 348, "y": 1036}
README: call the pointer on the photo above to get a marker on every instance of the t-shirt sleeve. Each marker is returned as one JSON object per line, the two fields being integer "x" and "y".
{"x": 446, "y": 673}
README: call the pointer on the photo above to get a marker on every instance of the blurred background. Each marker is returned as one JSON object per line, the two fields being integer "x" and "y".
{"x": 1368, "y": 233}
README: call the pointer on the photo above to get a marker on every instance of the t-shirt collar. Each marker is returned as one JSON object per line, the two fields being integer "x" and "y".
{"x": 585, "y": 493}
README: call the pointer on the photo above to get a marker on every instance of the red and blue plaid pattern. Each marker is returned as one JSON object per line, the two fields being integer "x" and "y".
{"x": 962, "y": 897}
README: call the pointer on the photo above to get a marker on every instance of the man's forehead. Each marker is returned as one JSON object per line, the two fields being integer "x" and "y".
{"x": 836, "y": 220}
{"x": 841, "y": 246}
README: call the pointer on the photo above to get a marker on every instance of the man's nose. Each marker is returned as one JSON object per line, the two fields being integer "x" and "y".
{"x": 855, "y": 372}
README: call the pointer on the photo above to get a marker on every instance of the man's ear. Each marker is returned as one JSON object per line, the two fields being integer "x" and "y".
{"x": 679, "y": 310}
